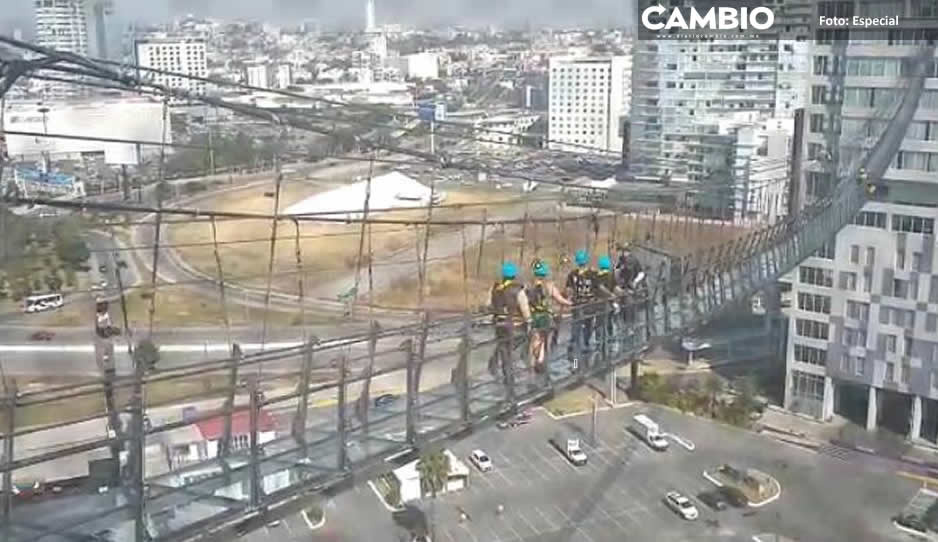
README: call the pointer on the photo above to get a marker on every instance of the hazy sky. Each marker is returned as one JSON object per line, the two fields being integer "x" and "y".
{"x": 351, "y": 12}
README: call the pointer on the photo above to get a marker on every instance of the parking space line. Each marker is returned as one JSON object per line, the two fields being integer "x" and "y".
{"x": 533, "y": 466}
{"x": 547, "y": 520}
{"x": 547, "y": 459}
{"x": 528, "y": 523}
{"x": 510, "y": 526}
{"x": 468, "y": 530}
{"x": 575, "y": 526}
{"x": 448, "y": 535}
{"x": 613, "y": 519}
{"x": 503, "y": 477}
{"x": 286, "y": 525}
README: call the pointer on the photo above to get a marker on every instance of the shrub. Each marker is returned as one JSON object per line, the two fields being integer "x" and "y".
{"x": 314, "y": 513}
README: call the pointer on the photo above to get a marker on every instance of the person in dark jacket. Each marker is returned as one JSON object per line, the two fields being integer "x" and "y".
{"x": 580, "y": 289}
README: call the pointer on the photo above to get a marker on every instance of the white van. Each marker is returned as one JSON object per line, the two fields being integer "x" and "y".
{"x": 646, "y": 429}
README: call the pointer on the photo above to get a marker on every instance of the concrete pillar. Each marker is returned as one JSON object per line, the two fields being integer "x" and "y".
{"x": 827, "y": 408}
{"x": 872, "y": 410}
{"x": 915, "y": 428}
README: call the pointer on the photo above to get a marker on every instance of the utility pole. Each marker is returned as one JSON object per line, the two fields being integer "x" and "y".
{"x": 593, "y": 412}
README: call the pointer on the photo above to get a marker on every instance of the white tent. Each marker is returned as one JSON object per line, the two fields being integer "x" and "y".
{"x": 390, "y": 191}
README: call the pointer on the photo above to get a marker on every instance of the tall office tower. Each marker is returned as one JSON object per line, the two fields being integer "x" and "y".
{"x": 97, "y": 26}
{"x": 863, "y": 318}
{"x": 588, "y": 102}
{"x": 62, "y": 25}
{"x": 690, "y": 97}
{"x": 178, "y": 54}
{"x": 370, "y": 16}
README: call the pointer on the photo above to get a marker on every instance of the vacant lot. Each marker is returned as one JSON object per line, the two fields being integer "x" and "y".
{"x": 326, "y": 249}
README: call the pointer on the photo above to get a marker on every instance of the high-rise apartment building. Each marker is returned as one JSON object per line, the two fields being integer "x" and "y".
{"x": 62, "y": 25}
{"x": 588, "y": 102}
{"x": 690, "y": 97}
{"x": 180, "y": 55}
{"x": 258, "y": 75}
{"x": 863, "y": 317}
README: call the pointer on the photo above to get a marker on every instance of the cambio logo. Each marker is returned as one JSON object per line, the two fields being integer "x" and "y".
{"x": 722, "y": 18}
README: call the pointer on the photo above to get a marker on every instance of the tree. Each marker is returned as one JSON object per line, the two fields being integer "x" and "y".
{"x": 163, "y": 191}
{"x": 433, "y": 467}
{"x": 714, "y": 387}
{"x": 147, "y": 353}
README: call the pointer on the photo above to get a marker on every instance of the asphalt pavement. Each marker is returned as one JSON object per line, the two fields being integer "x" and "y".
{"x": 618, "y": 494}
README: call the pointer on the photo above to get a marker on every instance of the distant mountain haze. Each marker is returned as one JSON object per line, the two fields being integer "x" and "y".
{"x": 351, "y": 13}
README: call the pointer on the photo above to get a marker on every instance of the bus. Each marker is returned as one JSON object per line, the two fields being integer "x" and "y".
{"x": 38, "y": 303}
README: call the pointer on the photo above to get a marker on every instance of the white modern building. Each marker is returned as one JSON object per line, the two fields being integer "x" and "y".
{"x": 258, "y": 75}
{"x": 180, "y": 55}
{"x": 424, "y": 65}
{"x": 283, "y": 76}
{"x": 503, "y": 132}
{"x": 589, "y": 99}
{"x": 863, "y": 316}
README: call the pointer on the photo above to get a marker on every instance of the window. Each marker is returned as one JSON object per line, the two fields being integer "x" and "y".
{"x": 854, "y": 337}
{"x": 913, "y": 224}
{"x": 826, "y": 251}
{"x": 814, "y": 303}
{"x": 854, "y": 253}
{"x": 848, "y": 280}
{"x": 933, "y": 290}
{"x": 870, "y": 255}
{"x": 809, "y": 354}
{"x": 890, "y": 372}
{"x": 845, "y": 362}
{"x": 904, "y": 371}
{"x": 907, "y": 347}
{"x": 859, "y": 364}
{"x": 890, "y": 342}
{"x": 867, "y": 281}
{"x": 858, "y": 311}
{"x": 817, "y": 123}
{"x": 931, "y": 323}
{"x": 807, "y": 385}
{"x": 917, "y": 261}
{"x": 897, "y": 288}
{"x": 812, "y": 329}
{"x": 900, "y": 258}
{"x": 816, "y": 276}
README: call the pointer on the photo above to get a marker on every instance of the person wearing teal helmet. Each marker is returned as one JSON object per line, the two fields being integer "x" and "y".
{"x": 607, "y": 289}
{"x": 581, "y": 290}
{"x": 511, "y": 313}
{"x": 540, "y": 294}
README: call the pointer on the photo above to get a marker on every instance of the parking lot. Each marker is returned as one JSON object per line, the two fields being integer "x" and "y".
{"x": 618, "y": 494}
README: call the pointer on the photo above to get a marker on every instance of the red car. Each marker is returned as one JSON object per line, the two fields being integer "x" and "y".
{"x": 42, "y": 336}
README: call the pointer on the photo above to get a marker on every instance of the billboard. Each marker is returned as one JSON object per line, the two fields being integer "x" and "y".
{"x": 31, "y": 179}
{"x": 124, "y": 119}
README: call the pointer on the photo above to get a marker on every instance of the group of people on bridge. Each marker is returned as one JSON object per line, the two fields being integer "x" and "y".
{"x": 525, "y": 314}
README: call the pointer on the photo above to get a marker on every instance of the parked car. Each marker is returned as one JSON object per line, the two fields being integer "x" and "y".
{"x": 481, "y": 460}
{"x": 385, "y": 399}
{"x": 42, "y": 335}
{"x": 681, "y": 505}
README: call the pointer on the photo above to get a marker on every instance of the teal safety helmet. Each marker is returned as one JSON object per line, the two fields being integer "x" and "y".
{"x": 581, "y": 258}
{"x": 541, "y": 269}
{"x": 604, "y": 263}
{"x": 509, "y": 271}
